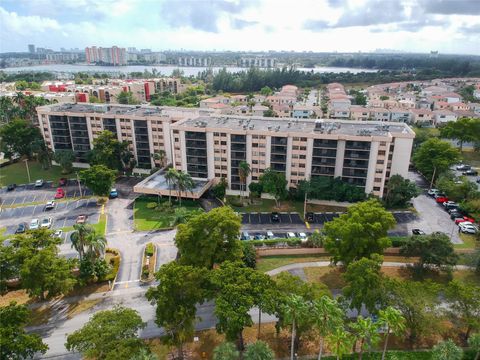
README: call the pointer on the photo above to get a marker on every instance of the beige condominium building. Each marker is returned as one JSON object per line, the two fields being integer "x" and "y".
{"x": 210, "y": 146}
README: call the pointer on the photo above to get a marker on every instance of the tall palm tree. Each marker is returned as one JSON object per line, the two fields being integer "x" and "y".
{"x": 295, "y": 310}
{"x": 394, "y": 322}
{"x": 184, "y": 183}
{"x": 367, "y": 332}
{"x": 340, "y": 342}
{"x": 95, "y": 243}
{"x": 328, "y": 316}
{"x": 171, "y": 177}
{"x": 160, "y": 155}
{"x": 243, "y": 172}
{"x": 78, "y": 238}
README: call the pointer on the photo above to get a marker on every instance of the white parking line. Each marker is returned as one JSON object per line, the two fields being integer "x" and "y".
{"x": 34, "y": 197}
{"x": 33, "y": 213}
{"x": 64, "y": 221}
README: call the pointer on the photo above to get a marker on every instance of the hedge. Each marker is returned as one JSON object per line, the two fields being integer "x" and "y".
{"x": 149, "y": 249}
{"x": 114, "y": 263}
{"x": 272, "y": 242}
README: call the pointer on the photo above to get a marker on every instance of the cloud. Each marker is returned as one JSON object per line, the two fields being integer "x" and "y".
{"x": 450, "y": 7}
{"x": 315, "y": 25}
{"x": 25, "y": 25}
{"x": 202, "y": 15}
{"x": 419, "y": 24}
{"x": 374, "y": 12}
{"x": 240, "y": 24}
{"x": 471, "y": 29}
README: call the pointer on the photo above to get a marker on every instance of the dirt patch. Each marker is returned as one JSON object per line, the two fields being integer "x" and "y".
{"x": 81, "y": 306}
{"x": 39, "y": 316}
{"x": 19, "y": 296}
{"x": 330, "y": 276}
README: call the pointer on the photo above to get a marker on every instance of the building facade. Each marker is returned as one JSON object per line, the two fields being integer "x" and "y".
{"x": 108, "y": 56}
{"x": 210, "y": 146}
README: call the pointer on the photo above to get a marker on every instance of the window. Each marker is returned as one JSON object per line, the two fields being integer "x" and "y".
{"x": 302, "y": 166}
{"x": 295, "y": 147}
{"x": 255, "y": 162}
{"x": 223, "y": 143}
{"x": 216, "y": 134}
{"x": 379, "y": 171}
{"x": 216, "y": 142}
{"x": 378, "y": 180}
{"x": 381, "y": 152}
{"x": 294, "y": 156}
{"x": 303, "y": 157}
{"x": 376, "y": 188}
{"x": 303, "y": 148}
{"x": 380, "y": 162}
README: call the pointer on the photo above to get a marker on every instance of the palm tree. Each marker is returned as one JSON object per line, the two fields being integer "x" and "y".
{"x": 243, "y": 172}
{"x": 184, "y": 183}
{"x": 161, "y": 156}
{"x": 78, "y": 238}
{"x": 295, "y": 310}
{"x": 340, "y": 342}
{"x": 394, "y": 322}
{"x": 171, "y": 177}
{"x": 474, "y": 343}
{"x": 328, "y": 316}
{"x": 95, "y": 244}
{"x": 226, "y": 351}
{"x": 367, "y": 332}
{"x": 258, "y": 351}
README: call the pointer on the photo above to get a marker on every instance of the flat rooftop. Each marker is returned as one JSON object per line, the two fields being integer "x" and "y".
{"x": 280, "y": 125}
{"x": 117, "y": 109}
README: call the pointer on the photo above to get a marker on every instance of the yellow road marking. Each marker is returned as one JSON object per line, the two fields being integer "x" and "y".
{"x": 126, "y": 285}
{"x": 307, "y": 224}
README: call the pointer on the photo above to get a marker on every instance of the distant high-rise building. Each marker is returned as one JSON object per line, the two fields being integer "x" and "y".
{"x": 31, "y": 49}
{"x": 109, "y": 56}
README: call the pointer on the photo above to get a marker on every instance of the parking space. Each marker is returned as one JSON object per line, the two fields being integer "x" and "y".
{"x": 261, "y": 235}
{"x": 404, "y": 217}
{"x": 266, "y": 218}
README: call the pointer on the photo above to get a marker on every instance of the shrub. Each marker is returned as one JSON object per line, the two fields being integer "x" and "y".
{"x": 112, "y": 251}
{"x": 149, "y": 249}
{"x": 235, "y": 201}
{"x": 151, "y": 205}
{"x": 115, "y": 264}
{"x": 273, "y": 242}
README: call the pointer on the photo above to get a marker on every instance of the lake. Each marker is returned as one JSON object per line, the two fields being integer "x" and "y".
{"x": 162, "y": 69}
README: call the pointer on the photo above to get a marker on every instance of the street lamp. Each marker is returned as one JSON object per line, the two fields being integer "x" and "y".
{"x": 28, "y": 170}
{"x": 78, "y": 182}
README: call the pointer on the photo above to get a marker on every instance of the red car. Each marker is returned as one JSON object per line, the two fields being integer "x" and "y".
{"x": 60, "y": 194}
{"x": 465, "y": 218}
{"x": 441, "y": 199}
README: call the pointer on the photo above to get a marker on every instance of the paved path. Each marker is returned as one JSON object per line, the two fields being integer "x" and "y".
{"x": 295, "y": 266}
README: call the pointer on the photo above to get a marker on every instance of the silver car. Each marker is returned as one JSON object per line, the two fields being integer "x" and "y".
{"x": 34, "y": 224}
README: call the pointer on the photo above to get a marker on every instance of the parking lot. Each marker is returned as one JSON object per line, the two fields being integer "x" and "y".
{"x": 64, "y": 215}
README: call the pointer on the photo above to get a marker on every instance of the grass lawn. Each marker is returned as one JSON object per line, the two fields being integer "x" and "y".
{"x": 101, "y": 226}
{"x": 17, "y": 173}
{"x": 268, "y": 263}
{"x": 469, "y": 242}
{"x": 19, "y": 296}
{"x": 151, "y": 219}
{"x": 267, "y": 205}
{"x": 471, "y": 157}
{"x": 80, "y": 306}
{"x": 39, "y": 316}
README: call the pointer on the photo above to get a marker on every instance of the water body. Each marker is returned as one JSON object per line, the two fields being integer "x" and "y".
{"x": 162, "y": 69}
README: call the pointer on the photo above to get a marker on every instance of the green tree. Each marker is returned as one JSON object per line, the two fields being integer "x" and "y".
{"x": 226, "y": 351}
{"x": 43, "y": 154}
{"x": 266, "y": 91}
{"x": 17, "y": 138}
{"x": 180, "y": 289}
{"x": 447, "y": 350}
{"x": 361, "y": 232}
{"x": 255, "y": 189}
{"x": 9, "y": 266}
{"x": 417, "y": 301}
{"x": 171, "y": 177}
{"x": 126, "y": 97}
{"x": 463, "y": 190}
{"x": 463, "y": 130}
{"x": 294, "y": 312}
{"x": 360, "y": 99}
{"x": 434, "y": 157}
{"x": 220, "y": 189}
{"x": 434, "y": 250}
{"x": 328, "y": 316}
{"x": 78, "y": 238}
{"x": 15, "y": 343}
{"x": 274, "y": 183}
{"x": 106, "y": 332}
{"x": 243, "y": 173}
{"x": 209, "y": 238}
{"x": 340, "y": 342}
{"x": 269, "y": 113}
{"x": 144, "y": 354}
{"x": 65, "y": 159}
{"x": 235, "y": 294}
{"x": 47, "y": 273}
{"x": 160, "y": 156}
{"x": 95, "y": 243}
{"x": 393, "y": 322}
{"x": 99, "y": 179}
{"x": 474, "y": 343}
{"x": 464, "y": 305}
{"x": 108, "y": 151}
{"x": 366, "y": 331}
{"x": 184, "y": 183}
{"x": 365, "y": 283}
{"x": 399, "y": 192}
{"x": 258, "y": 350}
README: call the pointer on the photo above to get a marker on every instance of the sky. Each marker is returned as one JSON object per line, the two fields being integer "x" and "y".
{"x": 449, "y": 26}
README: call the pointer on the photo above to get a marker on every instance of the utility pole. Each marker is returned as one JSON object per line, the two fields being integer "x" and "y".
{"x": 28, "y": 170}
{"x": 305, "y": 206}
{"x": 433, "y": 177}
{"x": 78, "y": 182}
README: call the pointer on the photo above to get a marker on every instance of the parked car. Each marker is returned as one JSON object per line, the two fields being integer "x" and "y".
{"x": 470, "y": 172}
{"x": 302, "y": 236}
{"x": 50, "y": 205}
{"x": 11, "y": 187}
{"x": 58, "y": 234}
{"x": 245, "y": 236}
{"x": 418, "y": 232}
{"x": 467, "y": 227}
{"x": 463, "y": 167}
{"x": 275, "y": 217}
{"x": 81, "y": 219}
{"x": 34, "y": 224}
{"x": 463, "y": 219}
{"x": 441, "y": 199}
{"x": 448, "y": 205}
{"x": 113, "y": 194}
{"x": 270, "y": 235}
{"x": 478, "y": 180}
{"x": 433, "y": 192}
{"x": 21, "y": 228}
{"x": 62, "y": 182}
{"x": 310, "y": 217}
{"x": 60, "y": 194}
{"x": 455, "y": 215}
{"x": 39, "y": 183}
{"x": 46, "y": 223}
{"x": 291, "y": 235}
{"x": 259, "y": 237}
